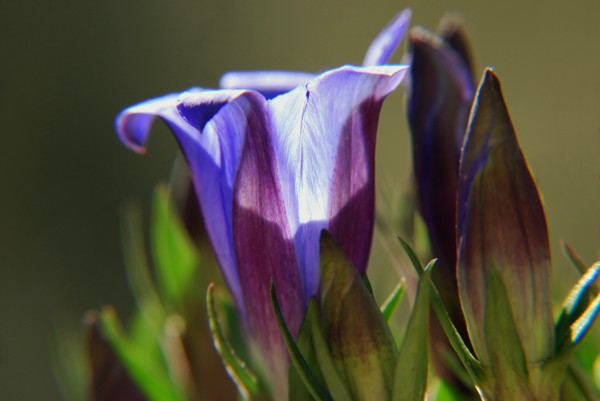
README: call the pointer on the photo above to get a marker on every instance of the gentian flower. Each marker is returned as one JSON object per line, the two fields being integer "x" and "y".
{"x": 503, "y": 253}
{"x": 440, "y": 96}
{"x": 271, "y": 172}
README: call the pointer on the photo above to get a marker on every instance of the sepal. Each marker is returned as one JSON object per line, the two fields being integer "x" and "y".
{"x": 361, "y": 344}
{"x": 579, "y": 310}
{"x": 508, "y": 365}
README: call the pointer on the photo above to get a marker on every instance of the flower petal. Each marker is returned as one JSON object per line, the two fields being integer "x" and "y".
{"x": 386, "y": 43}
{"x": 213, "y": 157}
{"x": 501, "y": 225}
{"x": 324, "y": 144}
{"x": 257, "y": 224}
{"x": 264, "y": 246}
{"x": 269, "y": 83}
{"x": 134, "y": 123}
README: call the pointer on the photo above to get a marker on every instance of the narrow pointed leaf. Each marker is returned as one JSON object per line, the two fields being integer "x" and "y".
{"x": 574, "y": 258}
{"x": 581, "y": 326}
{"x": 316, "y": 388}
{"x": 359, "y": 339}
{"x": 245, "y": 381}
{"x": 574, "y": 306}
{"x": 148, "y": 321}
{"x": 297, "y": 389}
{"x": 393, "y": 300}
{"x": 410, "y": 383}
{"x": 335, "y": 384}
{"x": 471, "y": 364}
{"x": 507, "y": 358}
{"x": 173, "y": 251}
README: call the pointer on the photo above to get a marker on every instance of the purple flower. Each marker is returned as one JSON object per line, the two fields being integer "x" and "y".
{"x": 501, "y": 230}
{"x": 440, "y": 97}
{"x": 441, "y": 93}
{"x": 271, "y": 172}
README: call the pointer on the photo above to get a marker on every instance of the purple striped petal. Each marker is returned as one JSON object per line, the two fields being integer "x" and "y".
{"x": 386, "y": 43}
{"x": 212, "y": 155}
{"x": 134, "y": 123}
{"x": 269, "y": 83}
{"x": 258, "y": 227}
{"x": 264, "y": 246}
{"x": 324, "y": 143}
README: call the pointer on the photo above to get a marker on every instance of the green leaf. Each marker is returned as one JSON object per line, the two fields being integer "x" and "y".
{"x": 508, "y": 361}
{"x": 138, "y": 271}
{"x": 142, "y": 333}
{"x": 410, "y": 381}
{"x": 174, "y": 253}
{"x": 471, "y": 364}
{"x": 582, "y": 325}
{"x": 245, "y": 381}
{"x": 361, "y": 344}
{"x": 148, "y": 373}
{"x": 443, "y": 391}
{"x": 574, "y": 258}
{"x": 335, "y": 384}
{"x": 393, "y": 300}
{"x": 577, "y": 387}
{"x": 297, "y": 389}
{"x": 311, "y": 380}
{"x": 575, "y": 305}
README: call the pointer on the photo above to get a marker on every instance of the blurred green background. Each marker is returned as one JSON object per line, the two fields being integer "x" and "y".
{"x": 67, "y": 67}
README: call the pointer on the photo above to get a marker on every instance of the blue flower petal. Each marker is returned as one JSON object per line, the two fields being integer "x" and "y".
{"x": 386, "y": 43}
{"x": 269, "y": 83}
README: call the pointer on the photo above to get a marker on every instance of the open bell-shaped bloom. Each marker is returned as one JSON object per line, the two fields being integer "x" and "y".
{"x": 271, "y": 174}
{"x": 272, "y": 167}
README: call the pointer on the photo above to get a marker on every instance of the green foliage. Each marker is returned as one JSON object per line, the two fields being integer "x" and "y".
{"x": 306, "y": 345}
{"x": 245, "y": 381}
{"x": 510, "y": 378}
{"x": 159, "y": 350}
{"x": 579, "y": 310}
{"x": 361, "y": 344}
{"x": 316, "y": 388}
{"x": 174, "y": 253}
{"x": 392, "y": 301}
{"x": 470, "y": 363}
{"x": 410, "y": 379}
{"x": 150, "y": 374}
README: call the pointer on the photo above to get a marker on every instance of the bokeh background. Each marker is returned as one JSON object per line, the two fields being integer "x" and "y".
{"x": 68, "y": 66}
